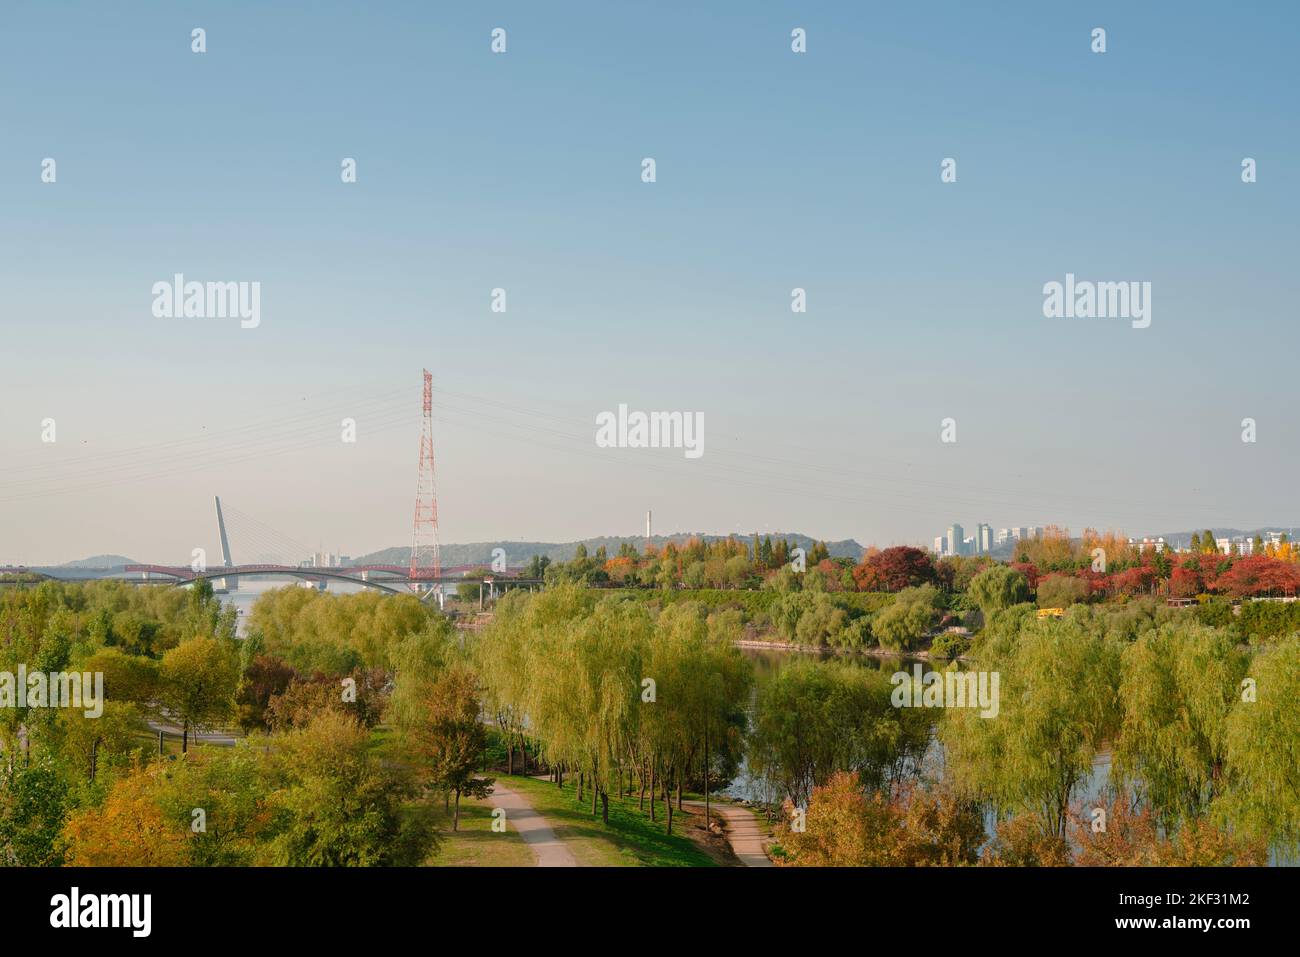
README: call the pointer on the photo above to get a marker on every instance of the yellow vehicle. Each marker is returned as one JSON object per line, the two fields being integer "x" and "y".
{"x": 1051, "y": 612}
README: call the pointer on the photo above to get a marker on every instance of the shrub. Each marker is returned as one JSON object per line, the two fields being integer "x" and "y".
{"x": 949, "y": 645}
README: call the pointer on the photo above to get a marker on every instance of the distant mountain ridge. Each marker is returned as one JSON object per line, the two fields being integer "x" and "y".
{"x": 99, "y": 561}
{"x": 519, "y": 553}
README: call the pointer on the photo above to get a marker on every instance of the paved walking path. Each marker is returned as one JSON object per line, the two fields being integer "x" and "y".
{"x": 532, "y": 827}
{"x": 743, "y": 832}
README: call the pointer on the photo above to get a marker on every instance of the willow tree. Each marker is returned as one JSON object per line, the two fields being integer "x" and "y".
{"x": 700, "y": 685}
{"x": 501, "y": 655}
{"x": 1178, "y": 685}
{"x": 1263, "y": 756}
{"x": 417, "y": 661}
{"x": 816, "y": 718}
{"x": 1058, "y": 691}
{"x": 998, "y": 587}
{"x": 607, "y": 679}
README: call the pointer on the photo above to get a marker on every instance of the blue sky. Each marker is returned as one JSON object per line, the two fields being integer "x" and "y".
{"x": 521, "y": 171}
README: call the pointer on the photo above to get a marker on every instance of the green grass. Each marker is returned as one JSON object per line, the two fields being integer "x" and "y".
{"x": 630, "y": 840}
{"x": 476, "y": 844}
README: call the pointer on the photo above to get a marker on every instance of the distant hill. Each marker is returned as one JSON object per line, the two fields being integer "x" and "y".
{"x": 100, "y": 561}
{"x": 519, "y": 553}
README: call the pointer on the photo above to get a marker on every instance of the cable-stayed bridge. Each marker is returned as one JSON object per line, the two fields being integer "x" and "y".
{"x": 396, "y": 579}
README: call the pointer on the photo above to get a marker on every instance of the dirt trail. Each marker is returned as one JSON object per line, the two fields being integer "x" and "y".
{"x": 549, "y": 850}
{"x": 743, "y": 832}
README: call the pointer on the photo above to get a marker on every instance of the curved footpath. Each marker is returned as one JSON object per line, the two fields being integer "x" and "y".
{"x": 743, "y": 832}
{"x": 548, "y": 849}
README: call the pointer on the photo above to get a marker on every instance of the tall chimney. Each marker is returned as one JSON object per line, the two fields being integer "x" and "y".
{"x": 647, "y": 524}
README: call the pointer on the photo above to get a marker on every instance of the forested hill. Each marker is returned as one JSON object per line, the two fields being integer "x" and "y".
{"x": 99, "y": 561}
{"x": 518, "y": 553}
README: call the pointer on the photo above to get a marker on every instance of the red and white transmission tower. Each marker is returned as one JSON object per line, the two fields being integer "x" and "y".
{"x": 425, "y": 561}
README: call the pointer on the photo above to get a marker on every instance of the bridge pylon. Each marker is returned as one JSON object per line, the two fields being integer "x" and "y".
{"x": 229, "y": 582}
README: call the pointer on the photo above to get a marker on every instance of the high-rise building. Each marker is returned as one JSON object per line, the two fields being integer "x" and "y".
{"x": 1004, "y": 535}
{"x": 938, "y": 545}
{"x": 983, "y": 539}
{"x": 955, "y": 539}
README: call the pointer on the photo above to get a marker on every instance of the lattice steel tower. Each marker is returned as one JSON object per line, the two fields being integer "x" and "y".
{"x": 425, "y": 561}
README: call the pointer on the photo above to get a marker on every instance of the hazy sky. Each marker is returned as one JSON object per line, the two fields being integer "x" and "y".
{"x": 522, "y": 171}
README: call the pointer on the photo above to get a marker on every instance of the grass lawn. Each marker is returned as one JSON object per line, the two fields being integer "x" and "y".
{"x": 476, "y": 844}
{"x": 630, "y": 840}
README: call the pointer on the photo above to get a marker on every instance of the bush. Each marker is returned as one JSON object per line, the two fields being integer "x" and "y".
{"x": 901, "y": 625}
{"x": 1269, "y": 619}
{"x": 949, "y": 645}
{"x": 998, "y": 587}
{"x": 1061, "y": 591}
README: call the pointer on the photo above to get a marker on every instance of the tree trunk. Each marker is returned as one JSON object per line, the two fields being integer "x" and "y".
{"x": 706, "y": 775}
{"x": 652, "y": 793}
{"x": 455, "y": 821}
{"x": 185, "y": 737}
{"x": 595, "y": 786}
{"x": 581, "y": 776}
{"x": 604, "y": 807}
{"x": 510, "y": 759}
{"x": 668, "y": 803}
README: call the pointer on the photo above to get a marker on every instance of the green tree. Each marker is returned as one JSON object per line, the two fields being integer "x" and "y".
{"x": 913, "y": 613}
{"x": 336, "y": 804}
{"x": 1263, "y": 729}
{"x": 1061, "y": 591}
{"x": 450, "y": 738}
{"x": 998, "y": 587}
{"x": 1177, "y": 687}
{"x": 815, "y": 718}
{"x": 34, "y": 800}
{"x": 1057, "y": 705}
{"x": 198, "y": 680}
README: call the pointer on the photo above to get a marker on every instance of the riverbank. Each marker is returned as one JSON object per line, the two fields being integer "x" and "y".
{"x": 760, "y": 644}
